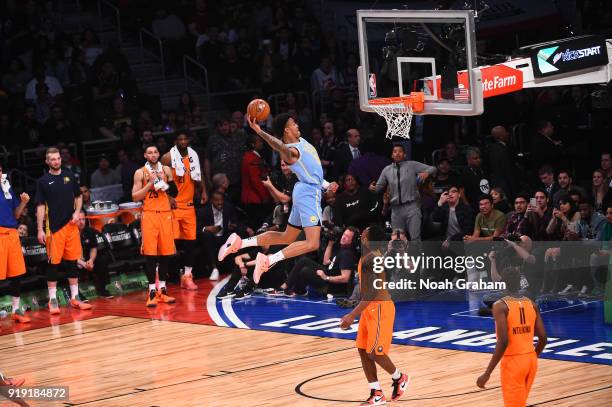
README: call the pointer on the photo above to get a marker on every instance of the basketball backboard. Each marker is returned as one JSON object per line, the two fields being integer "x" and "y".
{"x": 430, "y": 51}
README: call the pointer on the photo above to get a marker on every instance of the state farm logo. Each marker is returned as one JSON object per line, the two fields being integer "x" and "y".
{"x": 498, "y": 82}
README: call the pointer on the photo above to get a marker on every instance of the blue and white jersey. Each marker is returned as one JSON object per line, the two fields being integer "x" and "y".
{"x": 308, "y": 167}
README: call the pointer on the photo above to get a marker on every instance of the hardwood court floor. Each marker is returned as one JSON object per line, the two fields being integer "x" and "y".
{"x": 125, "y": 361}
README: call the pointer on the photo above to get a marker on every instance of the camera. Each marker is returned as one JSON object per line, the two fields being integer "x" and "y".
{"x": 334, "y": 233}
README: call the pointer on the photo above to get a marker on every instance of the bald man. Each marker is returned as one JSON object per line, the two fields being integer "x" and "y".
{"x": 501, "y": 158}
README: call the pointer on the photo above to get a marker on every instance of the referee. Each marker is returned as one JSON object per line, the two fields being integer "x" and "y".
{"x": 59, "y": 202}
{"x": 12, "y": 265}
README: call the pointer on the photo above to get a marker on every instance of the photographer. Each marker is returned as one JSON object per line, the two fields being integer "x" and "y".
{"x": 399, "y": 244}
{"x": 339, "y": 262}
{"x": 280, "y": 186}
{"x": 515, "y": 254}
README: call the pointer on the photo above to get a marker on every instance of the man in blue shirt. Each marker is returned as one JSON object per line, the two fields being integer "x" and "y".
{"x": 12, "y": 264}
{"x": 304, "y": 162}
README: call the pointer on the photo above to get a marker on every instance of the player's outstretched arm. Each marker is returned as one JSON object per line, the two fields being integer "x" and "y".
{"x": 500, "y": 314}
{"x": 287, "y": 154}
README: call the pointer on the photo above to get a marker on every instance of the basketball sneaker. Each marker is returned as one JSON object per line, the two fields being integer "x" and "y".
{"x": 377, "y": 398}
{"x": 242, "y": 294}
{"x": 152, "y": 299}
{"x": 232, "y": 245}
{"x": 53, "y": 306}
{"x": 20, "y": 316}
{"x": 80, "y": 305}
{"x": 162, "y": 296}
{"x": 399, "y": 386}
{"x": 226, "y": 292}
{"x": 262, "y": 264}
{"x": 187, "y": 283}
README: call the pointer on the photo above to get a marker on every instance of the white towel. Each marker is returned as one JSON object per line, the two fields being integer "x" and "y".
{"x": 179, "y": 167}
{"x": 6, "y": 186}
{"x": 159, "y": 183}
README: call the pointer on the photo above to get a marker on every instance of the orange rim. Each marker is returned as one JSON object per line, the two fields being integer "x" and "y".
{"x": 415, "y": 101}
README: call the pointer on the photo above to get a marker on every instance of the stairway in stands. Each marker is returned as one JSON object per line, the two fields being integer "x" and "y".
{"x": 145, "y": 64}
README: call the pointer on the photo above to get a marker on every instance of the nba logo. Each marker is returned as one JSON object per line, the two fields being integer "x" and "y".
{"x": 372, "y": 84}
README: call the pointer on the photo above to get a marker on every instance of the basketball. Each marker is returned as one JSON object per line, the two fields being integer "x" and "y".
{"x": 259, "y": 109}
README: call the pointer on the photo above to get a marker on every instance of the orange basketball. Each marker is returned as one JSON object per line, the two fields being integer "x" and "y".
{"x": 259, "y": 109}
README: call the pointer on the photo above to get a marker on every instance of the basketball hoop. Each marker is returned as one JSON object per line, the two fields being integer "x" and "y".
{"x": 398, "y": 112}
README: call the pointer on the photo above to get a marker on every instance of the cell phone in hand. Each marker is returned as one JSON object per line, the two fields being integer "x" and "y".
{"x": 532, "y": 202}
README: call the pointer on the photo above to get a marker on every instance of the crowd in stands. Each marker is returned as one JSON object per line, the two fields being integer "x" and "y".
{"x": 535, "y": 167}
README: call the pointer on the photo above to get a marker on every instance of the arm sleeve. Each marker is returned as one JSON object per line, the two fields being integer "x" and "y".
{"x": 420, "y": 167}
{"x": 382, "y": 182}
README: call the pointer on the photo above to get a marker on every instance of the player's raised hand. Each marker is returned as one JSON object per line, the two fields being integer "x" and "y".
{"x": 253, "y": 123}
{"x": 25, "y": 198}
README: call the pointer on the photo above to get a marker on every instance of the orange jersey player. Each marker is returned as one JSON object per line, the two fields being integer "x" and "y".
{"x": 376, "y": 313}
{"x": 58, "y": 204}
{"x": 153, "y": 184}
{"x": 187, "y": 174}
{"x": 517, "y": 319}
{"x": 12, "y": 264}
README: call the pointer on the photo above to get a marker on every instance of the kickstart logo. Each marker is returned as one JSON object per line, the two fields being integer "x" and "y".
{"x": 570, "y": 55}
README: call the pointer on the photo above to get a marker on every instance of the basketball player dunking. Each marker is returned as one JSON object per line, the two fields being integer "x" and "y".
{"x": 376, "y": 313}
{"x": 304, "y": 161}
{"x": 186, "y": 172}
{"x": 154, "y": 186}
{"x": 516, "y": 320}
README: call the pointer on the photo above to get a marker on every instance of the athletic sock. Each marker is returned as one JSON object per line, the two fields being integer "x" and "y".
{"x": 249, "y": 242}
{"x": 374, "y": 386}
{"x": 162, "y": 284}
{"x": 396, "y": 375}
{"x": 52, "y": 293}
{"x": 74, "y": 291}
{"x": 15, "y": 304}
{"x": 151, "y": 287}
{"x": 276, "y": 257}
{"x": 187, "y": 271}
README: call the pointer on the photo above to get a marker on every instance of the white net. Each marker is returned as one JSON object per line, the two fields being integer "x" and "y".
{"x": 398, "y": 117}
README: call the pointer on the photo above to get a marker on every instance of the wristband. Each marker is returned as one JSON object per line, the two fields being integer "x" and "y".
{"x": 325, "y": 185}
